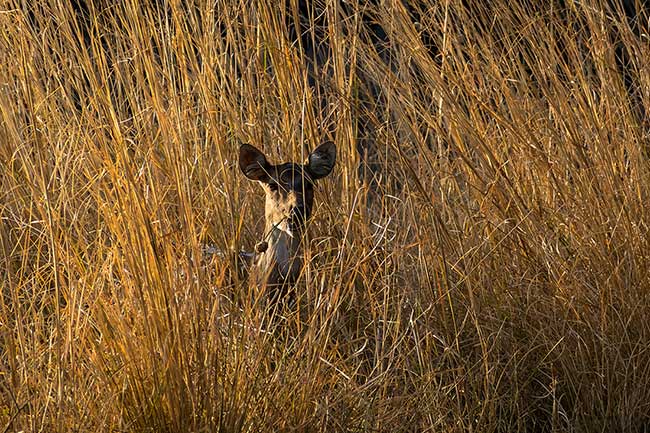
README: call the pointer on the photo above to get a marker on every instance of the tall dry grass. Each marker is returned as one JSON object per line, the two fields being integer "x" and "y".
{"x": 488, "y": 273}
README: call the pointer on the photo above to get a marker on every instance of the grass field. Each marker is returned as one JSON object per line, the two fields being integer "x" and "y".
{"x": 486, "y": 270}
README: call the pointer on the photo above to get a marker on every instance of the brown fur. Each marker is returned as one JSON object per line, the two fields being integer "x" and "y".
{"x": 289, "y": 194}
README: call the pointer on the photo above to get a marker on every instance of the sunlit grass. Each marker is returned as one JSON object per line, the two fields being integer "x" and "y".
{"x": 489, "y": 272}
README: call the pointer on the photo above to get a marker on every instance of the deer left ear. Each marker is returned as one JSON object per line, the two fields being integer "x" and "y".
{"x": 321, "y": 161}
{"x": 253, "y": 163}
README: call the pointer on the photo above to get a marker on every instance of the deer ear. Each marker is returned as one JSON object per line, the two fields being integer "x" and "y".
{"x": 253, "y": 163}
{"x": 321, "y": 161}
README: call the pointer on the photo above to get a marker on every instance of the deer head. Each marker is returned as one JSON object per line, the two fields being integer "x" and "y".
{"x": 289, "y": 190}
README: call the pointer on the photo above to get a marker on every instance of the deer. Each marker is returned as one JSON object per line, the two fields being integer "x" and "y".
{"x": 289, "y": 191}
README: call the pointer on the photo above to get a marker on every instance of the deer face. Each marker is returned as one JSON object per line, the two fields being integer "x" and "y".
{"x": 289, "y": 187}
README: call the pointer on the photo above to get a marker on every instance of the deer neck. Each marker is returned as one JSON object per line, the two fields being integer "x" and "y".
{"x": 281, "y": 262}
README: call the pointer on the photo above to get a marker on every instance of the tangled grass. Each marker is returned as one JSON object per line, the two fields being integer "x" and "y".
{"x": 479, "y": 261}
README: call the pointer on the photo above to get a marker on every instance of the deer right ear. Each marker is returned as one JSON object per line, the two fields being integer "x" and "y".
{"x": 321, "y": 161}
{"x": 253, "y": 163}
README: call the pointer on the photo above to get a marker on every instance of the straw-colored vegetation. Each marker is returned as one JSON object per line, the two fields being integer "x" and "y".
{"x": 488, "y": 270}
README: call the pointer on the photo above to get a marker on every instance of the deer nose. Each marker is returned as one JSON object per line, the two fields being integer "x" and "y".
{"x": 298, "y": 212}
{"x": 298, "y": 216}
